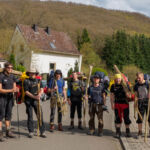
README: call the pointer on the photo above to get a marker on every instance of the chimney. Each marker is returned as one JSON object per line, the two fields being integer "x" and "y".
{"x": 47, "y": 30}
{"x": 35, "y": 28}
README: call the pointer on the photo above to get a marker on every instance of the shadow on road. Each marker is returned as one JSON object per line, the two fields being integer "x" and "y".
{"x": 24, "y": 130}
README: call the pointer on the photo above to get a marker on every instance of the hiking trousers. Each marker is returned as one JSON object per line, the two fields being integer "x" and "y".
{"x": 30, "y": 105}
{"x": 98, "y": 110}
{"x": 74, "y": 105}
{"x": 6, "y": 105}
{"x": 53, "y": 104}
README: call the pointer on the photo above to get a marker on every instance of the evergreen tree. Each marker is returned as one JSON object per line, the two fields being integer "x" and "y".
{"x": 76, "y": 67}
{"x": 84, "y": 38}
{"x": 70, "y": 71}
{"x": 12, "y": 60}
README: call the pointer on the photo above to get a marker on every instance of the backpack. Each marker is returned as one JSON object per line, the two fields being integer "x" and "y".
{"x": 76, "y": 88}
{"x": 147, "y": 77}
{"x": 21, "y": 94}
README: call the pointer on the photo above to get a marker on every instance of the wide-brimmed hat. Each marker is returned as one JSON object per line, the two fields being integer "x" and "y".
{"x": 32, "y": 70}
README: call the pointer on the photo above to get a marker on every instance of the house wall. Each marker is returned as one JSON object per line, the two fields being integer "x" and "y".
{"x": 64, "y": 62}
{"x": 2, "y": 64}
{"x": 19, "y": 47}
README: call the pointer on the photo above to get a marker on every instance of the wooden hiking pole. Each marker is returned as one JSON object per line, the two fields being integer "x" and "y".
{"x": 86, "y": 93}
{"x": 127, "y": 90}
{"x": 38, "y": 113}
{"x": 13, "y": 72}
{"x": 147, "y": 117}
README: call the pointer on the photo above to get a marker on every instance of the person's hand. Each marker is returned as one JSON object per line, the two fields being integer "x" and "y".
{"x": 69, "y": 101}
{"x": 86, "y": 97}
{"x": 37, "y": 97}
{"x": 64, "y": 101}
{"x": 128, "y": 95}
{"x": 55, "y": 88}
{"x": 112, "y": 106}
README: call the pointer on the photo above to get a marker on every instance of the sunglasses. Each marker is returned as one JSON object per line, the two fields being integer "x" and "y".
{"x": 9, "y": 67}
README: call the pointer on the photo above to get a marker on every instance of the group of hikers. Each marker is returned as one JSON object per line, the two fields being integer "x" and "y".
{"x": 77, "y": 93}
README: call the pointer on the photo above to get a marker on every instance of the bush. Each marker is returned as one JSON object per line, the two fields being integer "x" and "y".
{"x": 100, "y": 70}
{"x": 70, "y": 72}
{"x": 20, "y": 68}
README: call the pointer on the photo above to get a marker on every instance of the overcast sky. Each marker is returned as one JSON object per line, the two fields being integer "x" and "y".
{"x": 141, "y": 6}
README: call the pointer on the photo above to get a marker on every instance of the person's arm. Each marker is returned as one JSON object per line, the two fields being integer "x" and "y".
{"x": 52, "y": 87}
{"x": 69, "y": 93}
{"x": 26, "y": 89}
{"x": 37, "y": 97}
{"x": 112, "y": 99}
{"x": 104, "y": 98}
{"x": 64, "y": 93}
{"x": 4, "y": 91}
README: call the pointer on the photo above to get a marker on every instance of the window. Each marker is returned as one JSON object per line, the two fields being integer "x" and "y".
{"x": 52, "y": 66}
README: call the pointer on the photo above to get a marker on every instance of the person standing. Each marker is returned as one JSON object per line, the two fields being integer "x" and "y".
{"x": 97, "y": 99}
{"x": 75, "y": 93}
{"x": 120, "y": 105}
{"x": 7, "y": 88}
{"x": 33, "y": 91}
{"x": 141, "y": 89}
{"x": 58, "y": 96}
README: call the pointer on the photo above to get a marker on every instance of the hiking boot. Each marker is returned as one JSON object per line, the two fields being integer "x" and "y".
{"x": 1, "y": 136}
{"x": 52, "y": 128}
{"x": 118, "y": 133}
{"x": 30, "y": 135}
{"x": 91, "y": 132}
{"x": 71, "y": 125}
{"x": 80, "y": 125}
{"x": 100, "y": 134}
{"x": 43, "y": 135}
{"x": 128, "y": 134}
{"x": 60, "y": 127}
{"x": 9, "y": 134}
{"x": 139, "y": 135}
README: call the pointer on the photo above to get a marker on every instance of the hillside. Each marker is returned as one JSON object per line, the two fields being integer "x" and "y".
{"x": 70, "y": 18}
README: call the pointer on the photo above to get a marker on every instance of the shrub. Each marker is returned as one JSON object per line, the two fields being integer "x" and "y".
{"x": 100, "y": 70}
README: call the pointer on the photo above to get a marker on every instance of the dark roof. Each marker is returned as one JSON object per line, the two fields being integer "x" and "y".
{"x": 58, "y": 42}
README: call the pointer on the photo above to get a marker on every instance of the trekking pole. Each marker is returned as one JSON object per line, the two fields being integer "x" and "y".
{"x": 147, "y": 117}
{"x": 86, "y": 93}
{"x": 18, "y": 115}
{"x": 38, "y": 113}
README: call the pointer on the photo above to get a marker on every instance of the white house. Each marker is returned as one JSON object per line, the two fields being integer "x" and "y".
{"x": 44, "y": 49}
{"x": 2, "y": 61}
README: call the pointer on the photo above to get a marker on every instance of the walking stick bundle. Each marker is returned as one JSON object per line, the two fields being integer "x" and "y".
{"x": 86, "y": 93}
{"x": 13, "y": 72}
{"x": 60, "y": 102}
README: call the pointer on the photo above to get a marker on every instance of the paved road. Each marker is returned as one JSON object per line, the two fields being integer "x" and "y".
{"x": 67, "y": 140}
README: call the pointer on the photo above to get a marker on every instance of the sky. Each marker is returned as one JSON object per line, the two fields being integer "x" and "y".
{"x": 141, "y": 6}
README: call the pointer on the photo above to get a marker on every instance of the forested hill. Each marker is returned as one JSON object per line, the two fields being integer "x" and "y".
{"x": 68, "y": 17}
